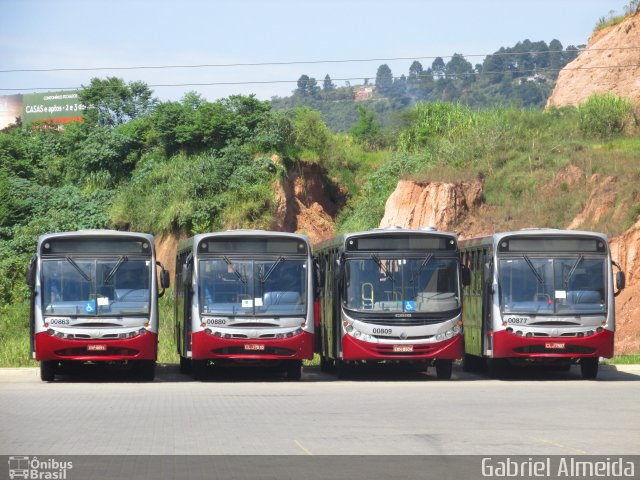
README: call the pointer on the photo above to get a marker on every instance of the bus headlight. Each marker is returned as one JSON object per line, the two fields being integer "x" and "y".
{"x": 456, "y": 329}
{"x": 439, "y": 337}
{"x": 449, "y": 334}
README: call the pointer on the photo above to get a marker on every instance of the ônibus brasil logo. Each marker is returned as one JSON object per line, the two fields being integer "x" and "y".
{"x": 35, "y": 469}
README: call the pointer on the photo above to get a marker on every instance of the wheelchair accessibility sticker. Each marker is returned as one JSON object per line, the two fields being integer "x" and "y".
{"x": 90, "y": 307}
{"x": 409, "y": 306}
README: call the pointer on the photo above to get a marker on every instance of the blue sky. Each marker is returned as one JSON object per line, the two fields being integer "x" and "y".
{"x": 37, "y": 34}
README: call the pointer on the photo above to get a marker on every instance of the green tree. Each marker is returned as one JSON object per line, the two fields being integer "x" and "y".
{"x": 438, "y": 68}
{"x": 112, "y": 102}
{"x": 328, "y": 85}
{"x": 384, "y": 79}
{"x": 366, "y": 130}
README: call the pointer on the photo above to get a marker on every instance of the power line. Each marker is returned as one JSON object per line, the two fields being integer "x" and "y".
{"x": 299, "y": 62}
{"x": 266, "y": 82}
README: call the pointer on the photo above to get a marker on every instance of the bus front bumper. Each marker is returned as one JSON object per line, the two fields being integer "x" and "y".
{"x": 142, "y": 347}
{"x": 208, "y": 346}
{"x": 353, "y": 349}
{"x": 510, "y": 345}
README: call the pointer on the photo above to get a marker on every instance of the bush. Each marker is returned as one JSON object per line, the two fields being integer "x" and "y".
{"x": 605, "y": 115}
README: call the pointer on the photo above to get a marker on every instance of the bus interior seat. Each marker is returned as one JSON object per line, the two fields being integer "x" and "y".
{"x": 576, "y": 297}
{"x": 281, "y": 298}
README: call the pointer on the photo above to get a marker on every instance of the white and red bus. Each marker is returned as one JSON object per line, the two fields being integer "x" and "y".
{"x": 94, "y": 299}
{"x": 539, "y": 296}
{"x": 390, "y": 295}
{"x": 244, "y": 297}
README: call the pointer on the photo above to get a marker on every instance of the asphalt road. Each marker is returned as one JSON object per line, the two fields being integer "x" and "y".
{"x": 375, "y": 413}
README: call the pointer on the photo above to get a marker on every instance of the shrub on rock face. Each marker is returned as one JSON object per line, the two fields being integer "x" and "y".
{"x": 606, "y": 114}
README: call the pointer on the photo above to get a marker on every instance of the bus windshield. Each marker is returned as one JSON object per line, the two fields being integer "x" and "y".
{"x": 565, "y": 285}
{"x": 81, "y": 286}
{"x": 273, "y": 286}
{"x": 421, "y": 285}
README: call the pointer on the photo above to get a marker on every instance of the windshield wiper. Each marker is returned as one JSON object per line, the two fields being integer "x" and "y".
{"x": 533, "y": 269}
{"x": 424, "y": 264}
{"x": 273, "y": 267}
{"x": 113, "y": 271}
{"x": 573, "y": 269}
{"x": 77, "y": 267}
{"x": 386, "y": 272}
{"x": 233, "y": 267}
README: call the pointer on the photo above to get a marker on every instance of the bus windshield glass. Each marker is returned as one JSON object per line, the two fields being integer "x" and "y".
{"x": 90, "y": 287}
{"x": 563, "y": 285}
{"x": 422, "y": 285}
{"x": 274, "y": 286}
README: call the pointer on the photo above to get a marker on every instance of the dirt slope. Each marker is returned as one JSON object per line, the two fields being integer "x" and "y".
{"x": 437, "y": 204}
{"x": 609, "y": 63}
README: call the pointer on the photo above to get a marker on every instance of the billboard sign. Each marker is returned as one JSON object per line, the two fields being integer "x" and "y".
{"x": 56, "y": 107}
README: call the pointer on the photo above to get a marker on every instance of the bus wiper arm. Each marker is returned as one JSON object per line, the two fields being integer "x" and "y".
{"x": 422, "y": 265}
{"x": 77, "y": 267}
{"x": 533, "y": 269}
{"x": 233, "y": 267}
{"x": 273, "y": 267}
{"x": 573, "y": 269}
{"x": 386, "y": 272}
{"x": 115, "y": 269}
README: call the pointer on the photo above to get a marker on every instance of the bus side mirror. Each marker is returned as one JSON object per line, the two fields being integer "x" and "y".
{"x": 30, "y": 274}
{"x": 318, "y": 278}
{"x": 466, "y": 276}
{"x": 186, "y": 274}
{"x": 620, "y": 280}
{"x": 488, "y": 273}
{"x": 165, "y": 280}
{"x": 339, "y": 270}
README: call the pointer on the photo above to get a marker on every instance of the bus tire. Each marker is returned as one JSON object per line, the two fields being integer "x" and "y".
{"x": 48, "y": 370}
{"x": 444, "y": 368}
{"x": 589, "y": 367}
{"x": 185, "y": 364}
{"x": 325, "y": 364}
{"x": 199, "y": 368}
{"x": 343, "y": 369}
{"x": 147, "y": 370}
{"x": 496, "y": 367}
{"x": 471, "y": 363}
{"x": 293, "y": 369}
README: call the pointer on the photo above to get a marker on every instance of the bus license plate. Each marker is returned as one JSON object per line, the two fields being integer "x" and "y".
{"x": 555, "y": 346}
{"x": 403, "y": 348}
{"x": 253, "y": 346}
{"x": 97, "y": 348}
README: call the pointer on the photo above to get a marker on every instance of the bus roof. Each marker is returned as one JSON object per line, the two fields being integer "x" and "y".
{"x": 342, "y": 239}
{"x": 495, "y": 238}
{"x": 95, "y": 233}
{"x": 196, "y": 239}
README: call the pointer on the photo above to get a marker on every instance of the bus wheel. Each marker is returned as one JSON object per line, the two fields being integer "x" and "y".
{"x": 147, "y": 370}
{"x": 185, "y": 365}
{"x": 444, "y": 369}
{"x": 497, "y": 367}
{"x": 48, "y": 370}
{"x": 343, "y": 369}
{"x": 589, "y": 367}
{"x": 294, "y": 369}
{"x": 471, "y": 363}
{"x": 199, "y": 368}
{"x": 325, "y": 364}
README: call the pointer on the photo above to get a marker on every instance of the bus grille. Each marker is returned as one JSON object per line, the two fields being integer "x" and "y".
{"x": 283, "y": 352}
{"x": 403, "y": 322}
{"x": 83, "y": 352}
{"x": 577, "y": 349}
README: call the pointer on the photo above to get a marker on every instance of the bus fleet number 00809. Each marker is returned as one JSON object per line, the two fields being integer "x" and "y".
{"x": 382, "y": 331}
